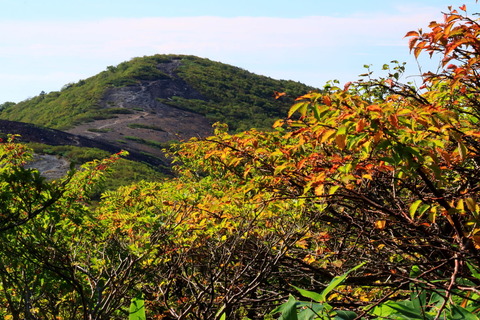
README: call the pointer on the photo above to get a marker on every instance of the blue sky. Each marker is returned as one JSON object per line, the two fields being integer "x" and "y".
{"x": 46, "y": 44}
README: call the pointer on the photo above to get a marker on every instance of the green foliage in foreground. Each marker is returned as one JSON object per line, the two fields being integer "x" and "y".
{"x": 423, "y": 304}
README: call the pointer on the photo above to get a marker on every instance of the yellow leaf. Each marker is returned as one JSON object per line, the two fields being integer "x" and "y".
{"x": 460, "y": 206}
{"x": 302, "y": 244}
{"x": 471, "y": 204}
{"x": 319, "y": 190}
{"x": 326, "y": 135}
{"x": 309, "y": 259}
{"x": 337, "y": 263}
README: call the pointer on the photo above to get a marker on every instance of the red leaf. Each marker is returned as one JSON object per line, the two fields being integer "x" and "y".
{"x": 463, "y": 8}
{"x": 347, "y": 85}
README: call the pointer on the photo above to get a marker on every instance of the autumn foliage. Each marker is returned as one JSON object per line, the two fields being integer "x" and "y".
{"x": 376, "y": 178}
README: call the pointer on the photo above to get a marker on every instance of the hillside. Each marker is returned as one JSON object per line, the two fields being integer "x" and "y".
{"x": 143, "y": 104}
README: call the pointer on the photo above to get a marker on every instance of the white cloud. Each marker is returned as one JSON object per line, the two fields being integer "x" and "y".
{"x": 80, "y": 47}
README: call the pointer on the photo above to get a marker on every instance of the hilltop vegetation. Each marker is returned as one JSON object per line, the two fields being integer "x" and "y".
{"x": 225, "y": 93}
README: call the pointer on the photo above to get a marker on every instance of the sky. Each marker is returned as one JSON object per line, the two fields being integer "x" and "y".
{"x": 47, "y": 44}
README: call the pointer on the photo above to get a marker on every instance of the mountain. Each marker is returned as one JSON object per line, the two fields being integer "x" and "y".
{"x": 143, "y": 104}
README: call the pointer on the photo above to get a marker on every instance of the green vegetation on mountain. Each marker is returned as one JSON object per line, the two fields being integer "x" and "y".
{"x": 239, "y": 98}
{"x": 232, "y": 95}
{"x": 81, "y": 102}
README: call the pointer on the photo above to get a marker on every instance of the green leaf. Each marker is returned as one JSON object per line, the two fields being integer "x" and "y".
{"x": 137, "y": 309}
{"x": 458, "y": 312}
{"x": 301, "y": 107}
{"x": 336, "y": 282}
{"x": 310, "y": 311}
{"x": 288, "y": 309}
{"x": 405, "y": 309}
{"x": 473, "y": 270}
{"x": 309, "y": 294}
{"x": 413, "y": 208}
{"x": 345, "y": 315}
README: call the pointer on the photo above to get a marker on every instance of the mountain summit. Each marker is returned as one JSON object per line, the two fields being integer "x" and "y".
{"x": 143, "y": 104}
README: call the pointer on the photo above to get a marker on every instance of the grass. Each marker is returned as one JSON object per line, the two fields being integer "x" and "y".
{"x": 144, "y": 126}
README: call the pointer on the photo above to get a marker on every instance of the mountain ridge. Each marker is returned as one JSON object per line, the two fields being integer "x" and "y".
{"x": 144, "y": 104}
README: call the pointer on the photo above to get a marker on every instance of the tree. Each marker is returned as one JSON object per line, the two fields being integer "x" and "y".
{"x": 386, "y": 173}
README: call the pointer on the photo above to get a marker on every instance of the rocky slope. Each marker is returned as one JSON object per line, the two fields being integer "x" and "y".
{"x": 144, "y": 104}
{"x": 30, "y": 133}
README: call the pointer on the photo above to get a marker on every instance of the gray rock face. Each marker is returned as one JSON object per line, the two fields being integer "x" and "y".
{"x": 148, "y": 123}
{"x": 50, "y": 167}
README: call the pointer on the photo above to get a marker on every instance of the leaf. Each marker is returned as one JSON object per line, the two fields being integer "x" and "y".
{"x": 374, "y": 108}
{"x": 320, "y": 190}
{"x": 288, "y": 309}
{"x": 413, "y": 208}
{"x": 278, "y": 95}
{"x": 475, "y": 271}
{"x": 301, "y": 107}
{"x": 347, "y": 85}
{"x": 412, "y": 34}
{"x": 345, "y": 315}
{"x": 462, "y": 150}
{"x": 405, "y": 309}
{"x": 137, "y": 309}
{"x": 336, "y": 282}
{"x": 327, "y": 100}
{"x": 380, "y": 224}
{"x": 360, "y": 125}
{"x": 309, "y": 294}
{"x": 471, "y": 204}
{"x": 341, "y": 141}
{"x": 458, "y": 312}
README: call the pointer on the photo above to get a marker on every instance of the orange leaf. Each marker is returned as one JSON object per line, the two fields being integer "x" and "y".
{"x": 320, "y": 190}
{"x": 341, "y": 141}
{"x": 380, "y": 224}
{"x": 412, "y": 42}
{"x": 412, "y": 34}
{"x": 327, "y": 100}
{"x": 393, "y": 120}
{"x": 374, "y": 108}
{"x": 360, "y": 125}
{"x": 378, "y": 135}
{"x": 463, "y": 8}
{"x": 277, "y": 94}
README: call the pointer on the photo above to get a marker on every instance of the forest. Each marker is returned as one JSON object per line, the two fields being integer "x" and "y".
{"x": 362, "y": 203}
